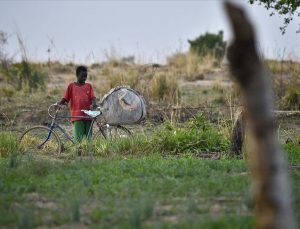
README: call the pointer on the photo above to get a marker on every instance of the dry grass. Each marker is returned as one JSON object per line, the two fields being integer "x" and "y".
{"x": 288, "y": 67}
{"x": 164, "y": 87}
{"x": 286, "y": 82}
{"x": 191, "y": 67}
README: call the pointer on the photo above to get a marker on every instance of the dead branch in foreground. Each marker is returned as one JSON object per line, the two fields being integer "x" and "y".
{"x": 267, "y": 164}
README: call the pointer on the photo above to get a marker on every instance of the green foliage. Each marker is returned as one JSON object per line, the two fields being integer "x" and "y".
{"x": 293, "y": 152}
{"x": 287, "y": 8}
{"x": 9, "y": 144}
{"x": 291, "y": 100}
{"x": 104, "y": 148}
{"x": 133, "y": 192}
{"x": 198, "y": 136}
{"x": 209, "y": 43}
{"x": 7, "y": 92}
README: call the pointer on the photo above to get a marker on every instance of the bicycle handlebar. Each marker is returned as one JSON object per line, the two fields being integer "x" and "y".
{"x": 56, "y": 110}
{"x": 59, "y": 106}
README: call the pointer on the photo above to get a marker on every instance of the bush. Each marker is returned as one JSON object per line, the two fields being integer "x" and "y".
{"x": 198, "y": 136}
{"x": 291, "y": 100}
{"x": 209, "y": 43}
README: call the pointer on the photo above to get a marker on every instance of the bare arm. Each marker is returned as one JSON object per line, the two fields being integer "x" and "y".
{"x": 94, "y": 103}
{"x": 63, "y": 101}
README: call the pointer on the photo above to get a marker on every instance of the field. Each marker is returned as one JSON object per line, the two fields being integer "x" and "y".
{"x": 177, "y": 171}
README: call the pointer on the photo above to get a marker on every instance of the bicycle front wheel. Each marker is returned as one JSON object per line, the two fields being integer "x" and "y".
{"x": 40, "y": 139}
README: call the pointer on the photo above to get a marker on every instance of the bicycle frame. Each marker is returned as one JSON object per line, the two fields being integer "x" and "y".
{"x": 56, "y": 125}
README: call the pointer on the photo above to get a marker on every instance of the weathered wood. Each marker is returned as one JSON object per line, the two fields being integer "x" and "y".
{"x": 238, "y": 132}
{"x": 267, "y": 164}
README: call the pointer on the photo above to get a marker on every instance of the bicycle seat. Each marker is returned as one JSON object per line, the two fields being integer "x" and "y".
{"x": 92, "y": 114}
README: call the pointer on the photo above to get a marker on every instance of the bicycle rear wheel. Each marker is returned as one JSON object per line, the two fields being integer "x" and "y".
{"x": 113, "y": 132}
{"x": 40, "y": 139}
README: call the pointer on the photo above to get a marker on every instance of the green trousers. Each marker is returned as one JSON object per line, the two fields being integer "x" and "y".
{"x": 81, "y": 129}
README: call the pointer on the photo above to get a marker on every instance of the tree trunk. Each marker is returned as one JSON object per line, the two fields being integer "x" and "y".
{"x": 267, "y": 164}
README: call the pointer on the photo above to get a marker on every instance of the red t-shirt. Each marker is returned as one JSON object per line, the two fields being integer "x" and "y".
{"x": 80, "y": 97}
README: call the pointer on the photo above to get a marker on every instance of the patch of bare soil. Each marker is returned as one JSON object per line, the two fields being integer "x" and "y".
{"x": 208, "y": 155}
{"x": 41, "y": 202}
{"x": 222, "y": 205}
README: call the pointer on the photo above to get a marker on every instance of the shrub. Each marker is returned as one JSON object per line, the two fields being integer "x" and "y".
{"x": 292, "y": 99}
{"x": 209, "y": 43}
{"x": 199, "y": 135}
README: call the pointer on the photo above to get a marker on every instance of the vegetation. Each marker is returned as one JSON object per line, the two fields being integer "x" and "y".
{"x": 171, "y": 175}
{"x": 21, "y": 75}
{"x": 287, "y": 8}
{"x": 8, "y": 144}
{"x": 24, "y": 75}
{"x": 115, "y": 184}
{"x": 141, "y": 192}
{"x": 3, "y": 42}
{"x": 291, "y": 100}
{"x": 209, "y": 43}
{"x": 199, "y": 136}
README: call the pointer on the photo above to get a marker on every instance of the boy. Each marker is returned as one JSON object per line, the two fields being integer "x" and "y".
{"x": 81, "y": 96}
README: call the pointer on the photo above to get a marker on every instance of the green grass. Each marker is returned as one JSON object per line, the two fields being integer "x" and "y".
{"x": 293, "y": 152}
{"x": 8, "y": 144}
{"x": 135, "y": 183}
{"x": 145, "y": 192}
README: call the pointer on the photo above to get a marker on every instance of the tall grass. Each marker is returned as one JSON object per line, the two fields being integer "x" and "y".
{"x": 9, "y": 144}
{"x": 164, "y": 87}
{"x": 189, "y": 66}
{"x": 197, "y": 135}
{"x": 286, "y": 82}
{"x": 126, "y": 76}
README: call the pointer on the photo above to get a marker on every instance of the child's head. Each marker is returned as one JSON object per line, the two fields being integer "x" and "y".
{"x": 81, "y": 74}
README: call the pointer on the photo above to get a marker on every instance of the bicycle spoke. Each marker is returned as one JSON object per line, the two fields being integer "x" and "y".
{"x": 38, "y": 140}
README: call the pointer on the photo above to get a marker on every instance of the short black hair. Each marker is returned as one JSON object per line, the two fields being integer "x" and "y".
{"x": 81, "y": 68}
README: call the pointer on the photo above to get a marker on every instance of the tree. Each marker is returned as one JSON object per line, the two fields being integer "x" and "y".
{"x": 209, "y": 43}
{"x": 286, "y": 8}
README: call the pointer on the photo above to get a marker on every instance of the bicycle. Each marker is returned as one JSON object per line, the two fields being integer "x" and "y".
{"x": 44, "y": 138}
